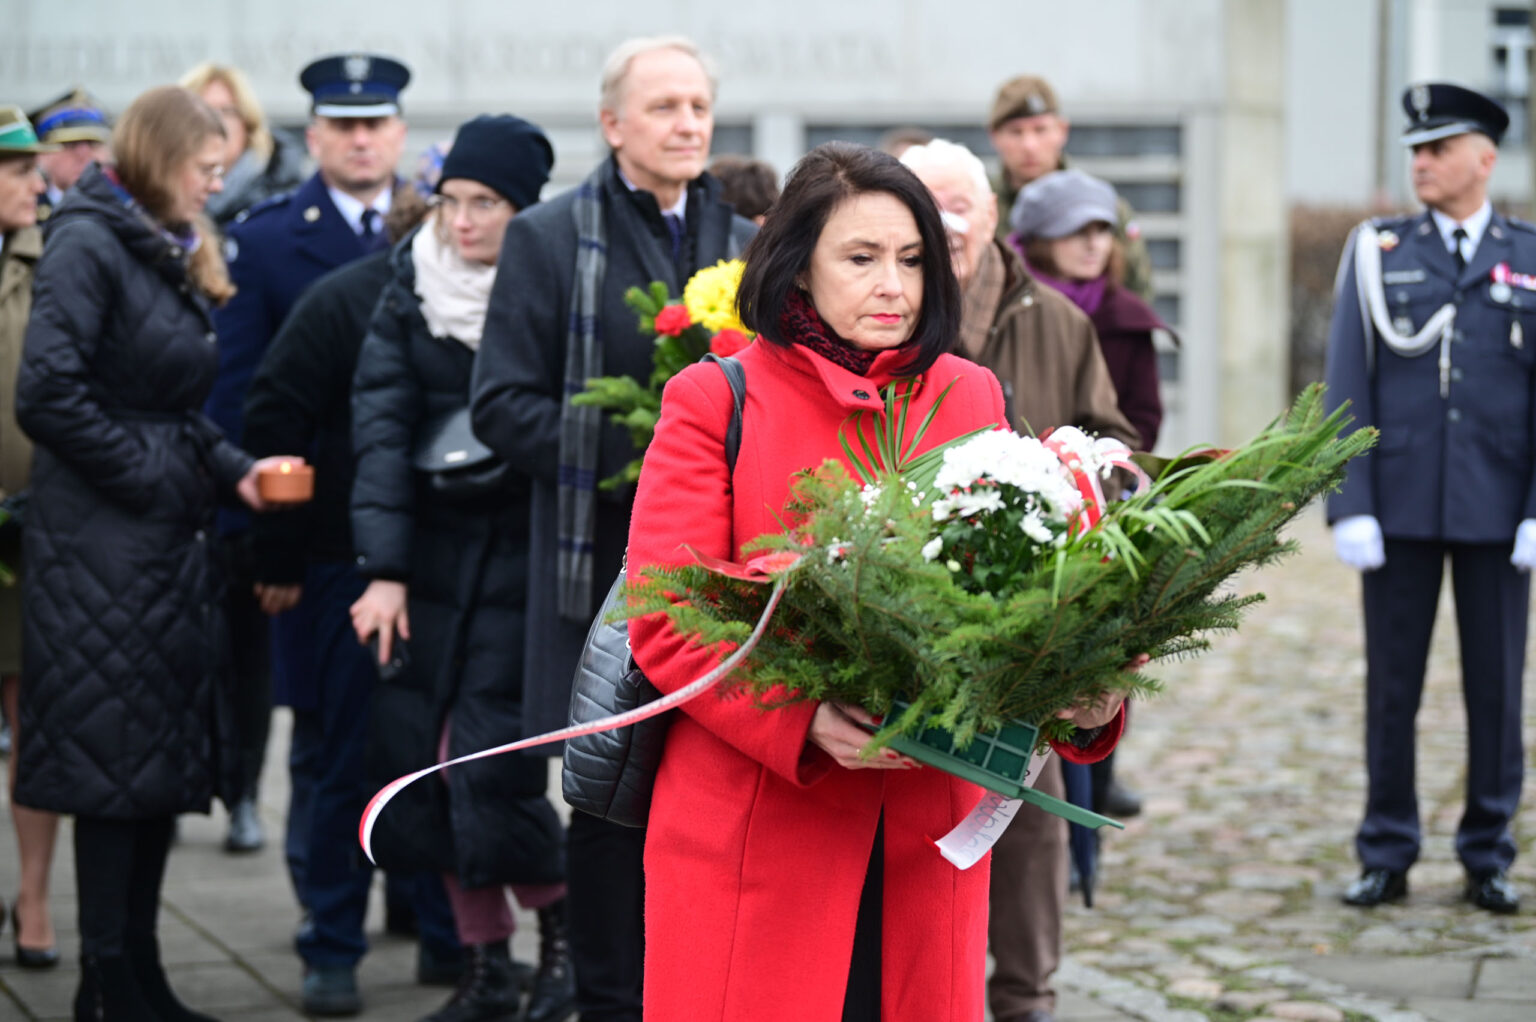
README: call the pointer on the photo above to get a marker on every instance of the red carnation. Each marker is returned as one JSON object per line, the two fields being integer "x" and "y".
{"x": 728, "y": 342}
{"x": 673, "y": 320}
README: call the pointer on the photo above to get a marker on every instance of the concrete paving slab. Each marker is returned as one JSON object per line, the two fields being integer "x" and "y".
{"x": 1394, "y": 976}
{"x": 44, "y": 994}
{"x": 1450, "y": 1010}
{"x": 1508, "y": 980}
{"x": 214, "y": 988}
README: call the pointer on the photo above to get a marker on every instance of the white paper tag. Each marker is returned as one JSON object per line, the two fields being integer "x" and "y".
{"x": 975, "y": 835}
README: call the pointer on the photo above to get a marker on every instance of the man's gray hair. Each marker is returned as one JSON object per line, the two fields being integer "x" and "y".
{"x": 616, "y": 67}
{"x": 941, "y": 152}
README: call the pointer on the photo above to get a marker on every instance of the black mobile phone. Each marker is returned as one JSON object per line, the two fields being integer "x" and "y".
{"x": 399, "y": 658}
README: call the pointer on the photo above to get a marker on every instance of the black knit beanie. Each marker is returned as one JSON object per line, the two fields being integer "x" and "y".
{"x": 507, "y": 154}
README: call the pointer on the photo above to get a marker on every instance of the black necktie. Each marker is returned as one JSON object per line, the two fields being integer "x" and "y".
{"x": 675, "y": 228}
{"x": 1457, "y": 237}
{"x": 373, "y": 238}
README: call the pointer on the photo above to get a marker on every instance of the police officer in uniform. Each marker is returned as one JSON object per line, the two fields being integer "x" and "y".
{"x": 356, "y": 137}
{"x": 1433, "y": 342}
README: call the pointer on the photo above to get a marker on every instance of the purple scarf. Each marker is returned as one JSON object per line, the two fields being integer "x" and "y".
{"x": 1085, "y": 294}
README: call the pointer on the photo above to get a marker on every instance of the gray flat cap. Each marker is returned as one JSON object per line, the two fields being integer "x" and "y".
{"x": 1060, "y": 203}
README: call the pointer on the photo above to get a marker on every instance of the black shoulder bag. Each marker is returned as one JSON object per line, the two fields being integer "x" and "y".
{"x": 459, "y": 466}
{"x": 610, "y": 774}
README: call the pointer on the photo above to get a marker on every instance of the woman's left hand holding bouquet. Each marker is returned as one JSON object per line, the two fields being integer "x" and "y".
{"x": 835, "y": 730}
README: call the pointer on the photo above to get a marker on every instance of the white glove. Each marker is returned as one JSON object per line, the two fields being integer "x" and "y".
{"x": 1357, "y": 542}
{"x": 1524, "y": 556}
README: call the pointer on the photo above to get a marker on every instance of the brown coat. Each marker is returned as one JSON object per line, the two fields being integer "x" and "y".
{"x": 1042, "y": 348}
{"x": 20, "y": 255}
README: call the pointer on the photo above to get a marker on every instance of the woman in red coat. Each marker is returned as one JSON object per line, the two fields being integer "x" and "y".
{"x": 786, "y": 878}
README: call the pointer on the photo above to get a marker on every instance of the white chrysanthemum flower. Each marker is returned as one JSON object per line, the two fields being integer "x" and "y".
{"x": 932, "y": 547}
{"x": 1035, "y": 528}
{"x": 1011, "y": 462}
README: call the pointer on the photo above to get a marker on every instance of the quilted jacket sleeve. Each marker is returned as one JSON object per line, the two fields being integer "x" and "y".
{"x": 386, "y": 412}
{"x": 75, "y": 292}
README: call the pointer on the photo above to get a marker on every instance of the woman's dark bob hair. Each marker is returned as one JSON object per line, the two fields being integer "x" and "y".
{"x": 781, "y": 252}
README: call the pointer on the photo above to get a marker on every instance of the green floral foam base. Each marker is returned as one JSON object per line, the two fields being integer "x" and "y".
{"x": 998, "y": 761}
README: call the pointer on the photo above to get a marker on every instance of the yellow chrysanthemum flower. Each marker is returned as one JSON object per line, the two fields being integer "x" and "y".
{"x": 711, "y": 296}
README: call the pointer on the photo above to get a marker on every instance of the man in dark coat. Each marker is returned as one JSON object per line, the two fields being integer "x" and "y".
{"x": 648, "y": 212}
{"x": 275, "y": 252}
{"x": 1432, "y": 343}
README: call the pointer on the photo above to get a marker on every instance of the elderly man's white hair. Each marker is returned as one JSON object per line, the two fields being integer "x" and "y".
{"x": 616, "y": 67}
{"x": 941, "y": 152}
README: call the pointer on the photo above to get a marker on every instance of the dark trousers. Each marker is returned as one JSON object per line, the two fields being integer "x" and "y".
{"x": 1492, "y": 601}
{"x": 328, "y": 743}
{"x": 119, "y": 868}
{"x": 862, "y": 1002}
{"x": 606, "y": 906}
{"x": 250, "y": 648}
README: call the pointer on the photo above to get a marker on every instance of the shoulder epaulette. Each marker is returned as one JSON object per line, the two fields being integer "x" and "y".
{"x": 1390, "y": 222}
{"x": 264, "y": 206}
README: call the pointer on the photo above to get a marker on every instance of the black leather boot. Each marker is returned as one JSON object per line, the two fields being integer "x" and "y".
{"x": 488, "y": 991}
{"x": 109, "y": 993}
{"x": 144, "y": 959}
{"x": 553, "y": 995}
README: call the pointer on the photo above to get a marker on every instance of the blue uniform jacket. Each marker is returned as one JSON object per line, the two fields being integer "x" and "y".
{"x": 1456, "y": 468}
{"x": 275, "y": 251}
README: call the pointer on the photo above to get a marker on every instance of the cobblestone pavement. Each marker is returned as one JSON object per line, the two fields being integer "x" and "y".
{"x": 1220, "y": 902}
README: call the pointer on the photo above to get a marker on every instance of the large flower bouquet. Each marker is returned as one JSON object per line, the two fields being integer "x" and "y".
{"x": 704, "y": 320}
{"x": 988, "y": 581}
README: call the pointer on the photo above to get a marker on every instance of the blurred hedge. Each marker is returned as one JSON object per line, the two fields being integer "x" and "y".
{"x": 1317, "y": 241}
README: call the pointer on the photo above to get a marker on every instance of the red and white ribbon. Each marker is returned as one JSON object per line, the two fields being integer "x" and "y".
{"x": 1113, "y": 454}
{"x": 688, "y": 692}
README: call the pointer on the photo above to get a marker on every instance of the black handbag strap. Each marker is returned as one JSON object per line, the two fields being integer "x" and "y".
{"x": 736, "y": 376}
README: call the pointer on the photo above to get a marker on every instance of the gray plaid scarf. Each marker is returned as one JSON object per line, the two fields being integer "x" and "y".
{"x": 581, "y": 427}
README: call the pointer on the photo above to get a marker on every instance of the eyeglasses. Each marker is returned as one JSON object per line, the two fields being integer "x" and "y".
{"x": 478, "y": 209}
{"x": 211, "y": 171}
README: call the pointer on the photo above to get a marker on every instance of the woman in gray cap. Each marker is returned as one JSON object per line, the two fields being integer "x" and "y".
{"x": 1063, "y": 226}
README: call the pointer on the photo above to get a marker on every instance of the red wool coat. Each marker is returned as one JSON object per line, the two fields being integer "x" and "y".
{"x": 758, "y": 844}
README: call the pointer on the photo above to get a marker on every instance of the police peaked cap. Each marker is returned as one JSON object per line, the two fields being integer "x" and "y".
{"x": 355, "y": 85}
{"x": 1439, "y": 110}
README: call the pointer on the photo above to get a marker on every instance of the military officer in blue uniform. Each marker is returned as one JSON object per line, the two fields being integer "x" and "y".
{"x": 1433, "y": 342}
{"x": 356, "y": 137}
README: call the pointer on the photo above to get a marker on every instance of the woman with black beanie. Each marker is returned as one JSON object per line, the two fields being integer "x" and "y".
{"x": 441, "y": 529}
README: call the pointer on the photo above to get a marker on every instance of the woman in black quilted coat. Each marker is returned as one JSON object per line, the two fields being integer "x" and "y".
{"x": 122, "y": 706}
{"x": 449, "y": 575}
